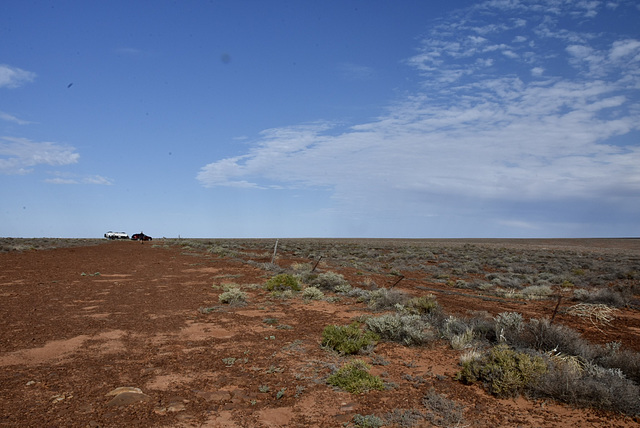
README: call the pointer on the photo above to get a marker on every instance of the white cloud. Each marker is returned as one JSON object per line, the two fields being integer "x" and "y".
{"x": 12, "y": 77}
{"x": 355, "y": 71}
{"x": 625, "y": 49}
{"x": 11, "y": 118}
{"x": 471, "y": 138}
{"x": 97, "y": 179}
{"x": 19, "y": 155}
{"x": 72, "y": 179}
{"x": 537, "y": 71}
{"x": 589, "y": 8}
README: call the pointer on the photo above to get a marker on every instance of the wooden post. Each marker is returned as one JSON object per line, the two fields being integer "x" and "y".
{"x": 275, "y": 250}
{"x": 316, "y": 265}
{"x": 555, "y": 311}
{"x": 398, "y": 281}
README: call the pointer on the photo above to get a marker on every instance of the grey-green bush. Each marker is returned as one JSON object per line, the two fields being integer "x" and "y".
{"x": 405, "y": 329}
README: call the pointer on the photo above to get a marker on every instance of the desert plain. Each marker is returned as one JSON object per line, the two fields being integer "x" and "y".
{"x": 97, "y": 333}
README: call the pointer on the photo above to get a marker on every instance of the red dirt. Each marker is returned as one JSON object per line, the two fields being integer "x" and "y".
{"x": 77, "y": 323}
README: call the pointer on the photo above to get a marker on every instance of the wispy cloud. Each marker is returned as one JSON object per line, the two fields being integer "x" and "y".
{"x": 13, "y": 77}
{"x": 129, "y": 51}
{"x": 496, "y": 123}
{"x": 352, "y": 71}
{"x": 20, "y": 155}
{"x": 11, "y": 118}
{"x": 67, "y": 178}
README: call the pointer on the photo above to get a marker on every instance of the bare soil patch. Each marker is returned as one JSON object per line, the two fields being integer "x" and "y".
{"x": 78, "y": 322}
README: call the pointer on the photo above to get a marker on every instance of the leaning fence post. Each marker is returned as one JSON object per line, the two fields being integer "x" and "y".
{"x": 316, "y": 265}
{"x": 555, "y": 311}
{"x": 275, "y": 250}
{"x": 398, "y": 281}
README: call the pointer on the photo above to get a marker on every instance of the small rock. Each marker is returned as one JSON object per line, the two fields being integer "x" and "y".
{"x": 215, "y": 396}
{"x": 127, "y": 398}
{"x": 126, "y": 395}
{"x": 31, "y": 382}
{"x": 124, "y": 389}
{"x": 176, "y": 407}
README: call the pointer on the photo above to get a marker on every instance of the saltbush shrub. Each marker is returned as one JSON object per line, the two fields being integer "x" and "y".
{"x": 541, "y": 335}
{"x": 367, "y": 421}
{"x": 233, "y": 296}
{"x": 312, "y": 293}
{"x": 282, "y": 282}
{"x": 405, "y": 329}
{"x": 348, "y": 339}
{"x": 385, "y": 299}
{"x": 599, "y": 388}
{"x": 503, "y": 371}
{"x": 607, "y": 296}
{"x": 442, "y": 411}
{"x": 537, "y": 291}
{"x": 423, "y": 305}
{"x": 507, "y": 324}
{"x": 330, "y": 281}
{"x": 354, "y": 377}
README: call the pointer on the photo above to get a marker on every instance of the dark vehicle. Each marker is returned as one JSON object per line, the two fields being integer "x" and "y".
{"x": 141, "y": 237}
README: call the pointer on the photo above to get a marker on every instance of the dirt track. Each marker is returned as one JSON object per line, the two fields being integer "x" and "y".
{"x": 77, "y": 323}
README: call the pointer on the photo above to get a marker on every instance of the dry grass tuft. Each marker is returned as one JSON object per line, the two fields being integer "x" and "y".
{"x": 597, "y": 313}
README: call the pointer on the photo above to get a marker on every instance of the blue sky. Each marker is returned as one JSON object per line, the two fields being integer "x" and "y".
{"x": 498, "y": 118}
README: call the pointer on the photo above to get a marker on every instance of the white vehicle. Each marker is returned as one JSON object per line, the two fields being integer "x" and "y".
{"x": 116, "y": 235}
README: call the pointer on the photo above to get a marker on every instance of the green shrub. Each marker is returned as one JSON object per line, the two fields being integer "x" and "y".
{"x": 354, "y": 377}
{"x": 348, "y": 339}
{"x": 330, "y": 281}
{"x": 423, "y": 305}
{"x": 627, "y": 361}
{"x": 442, "y": 411}
{"x": 234, "y": 296}
{"x": 282, "y": 282}
{"x": 312, "y": 293}
{"x": 537, "y": 291}
{"x": 600, "y": 388}
{"x": 541, "y": 335}
{"x": 404, "y": 417}
{"x": 384, "y": 299}
{"x": 608, "y": 296}
{"x": 405, "y": 329}
{"x": 463, "y": 340}
{"x": 507, "y": 324}
{"x": 283, "y": 295}
{"x": 367, "y": 421}
{"x": 505, "y": 372}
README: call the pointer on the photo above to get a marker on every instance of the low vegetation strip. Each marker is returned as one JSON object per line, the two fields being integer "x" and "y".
{"x": 319, "y": 320}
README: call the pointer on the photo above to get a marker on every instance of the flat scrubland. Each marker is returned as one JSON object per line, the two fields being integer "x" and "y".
{"x": 320, "y": 332}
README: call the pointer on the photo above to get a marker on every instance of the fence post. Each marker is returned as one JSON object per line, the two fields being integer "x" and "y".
{"x": 275, "y": 250}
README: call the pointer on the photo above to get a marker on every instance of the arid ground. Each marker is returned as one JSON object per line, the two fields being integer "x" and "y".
{"x": 80, "y": 321}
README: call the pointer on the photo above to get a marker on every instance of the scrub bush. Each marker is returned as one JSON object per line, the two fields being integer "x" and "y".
{"x": 329, "y": 281}
{"x": 354, "y": 377}
{"x": 367, "y": 421}
{"x": 312, "y": 293}
{"x": 384, "y": 299}
{"x": 442, "y": 411}
{"x": 423, "y": 305}
{"x": 503, "y": 371}
{"x": 405, "y": 329}
{"x": 234, "y": 296}
{"x": 348, "y": 339}
{"x": 589, "y": 386}
{"x": 282, "y": 282}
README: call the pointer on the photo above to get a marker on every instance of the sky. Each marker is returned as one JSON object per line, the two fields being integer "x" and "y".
{"x": 339, "y": 118}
